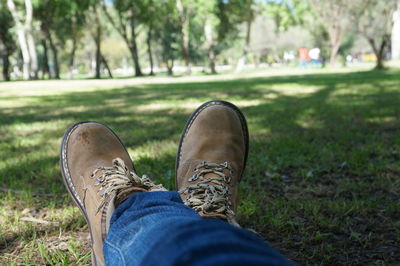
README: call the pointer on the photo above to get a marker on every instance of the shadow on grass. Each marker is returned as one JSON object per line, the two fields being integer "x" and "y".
{"x": 319, "y": 161}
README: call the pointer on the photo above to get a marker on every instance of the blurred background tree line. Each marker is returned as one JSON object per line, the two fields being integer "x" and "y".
{"x": 41, "y": 39}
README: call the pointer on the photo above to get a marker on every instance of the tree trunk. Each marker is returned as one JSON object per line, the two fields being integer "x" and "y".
{"x": 21, "y": 39}
{"x": 379, "y": 63}
{"x": 335, "y": 33}
{"x": 103, "y": 59}
{"x": 121, "y": 27}
{"x": 26, "y": 68}
{"x": 54, "y": 51}
{"x": 149, "y": 35}
{"x": 33, "y": 56}
{"x": 72, "y": 59}
{"x": 212, "y": 57}
{"x": 209, "y": 36}
{"x": 170, "y": 67}
{"x": 379, "y": 51}
{"x": 334, "y": 53}
{"x": 97, "y": 41}
{"x": 185, "y": 30}
{"x": 380, "y": 56}
{"x": 45, "y": 67}
{"x": 30, "y": 41}
{"x": 185, "y": 46}
{"x": 242, "y": 60}
{"x": 133, "y": 48}
{"x": 135, "y": 59}
{"x": 6, "y": 66}
{"x": 98, "y": 54}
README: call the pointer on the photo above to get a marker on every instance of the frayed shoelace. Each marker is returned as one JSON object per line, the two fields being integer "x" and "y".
{"x": 118, "y": 177}
{"x": 210, "y": 194}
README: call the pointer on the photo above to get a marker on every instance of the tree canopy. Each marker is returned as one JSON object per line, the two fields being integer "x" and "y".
{"x": 52, "y": 38}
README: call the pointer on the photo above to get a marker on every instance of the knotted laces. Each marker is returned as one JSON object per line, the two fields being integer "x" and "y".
{"x": 117, "y": 178}
{"x": 210, "y": 194}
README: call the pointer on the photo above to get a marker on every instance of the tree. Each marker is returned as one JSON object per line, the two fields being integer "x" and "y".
{"x": 209, "y": 33}
{"x": 126, "y": 25}
{"x": 247, "y": 9}
{"x": 25, "y": 38}
{"x": 374, "y": 22}
{"x": 149, "y": 16}
{"x": 282, "y": 25}
{"x": 49, "y": 13}
{"x": 286, "y": 13}
{"x": 335, "y": 15}
{"x": 206, "y": 15}
{"x": 77, "y": 18}
{"x": 60, "y": 21}
{"x": 96, "y": 34}
{"x": 167, "y": 33}
{"x": 185, "y": 11}
{"x": 7, "y": 43}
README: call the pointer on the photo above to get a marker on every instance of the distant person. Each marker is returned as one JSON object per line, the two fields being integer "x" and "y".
{"x": 304, "y": 58}
{"x": 133, "y": 221}
{"x": 314, "y": 55}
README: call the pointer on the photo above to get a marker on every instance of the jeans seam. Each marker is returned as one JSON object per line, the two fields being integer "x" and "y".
{"x": 118, "y": 250}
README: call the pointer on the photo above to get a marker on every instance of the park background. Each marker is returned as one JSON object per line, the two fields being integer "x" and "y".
{"x": 318, "y": 81}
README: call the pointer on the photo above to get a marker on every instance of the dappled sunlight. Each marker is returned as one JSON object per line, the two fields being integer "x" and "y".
{"x": 309, "y": 134}
{"x": 310, "y": 77}
{"x": 187, "y": 106}
{"x": 309, "y": 123}
{"x": 308, "y": 120}
{"x": 247, "y": 103}
{"x": 359, "y": 90}
{"x": 295, "y": 90}
{"x": 54, "y": 87}
{"x": 8, "y": 103}
{"x": 160, "y": 106}
{"x": 383, "y": 120}
{"x": 153, "y": 149}
{"x": 25, "y": 129}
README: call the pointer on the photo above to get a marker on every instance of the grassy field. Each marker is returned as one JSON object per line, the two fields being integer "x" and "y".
{"x": 322, "y": 181}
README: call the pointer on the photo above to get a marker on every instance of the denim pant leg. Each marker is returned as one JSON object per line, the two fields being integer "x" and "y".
{"x": 156, "y": 228}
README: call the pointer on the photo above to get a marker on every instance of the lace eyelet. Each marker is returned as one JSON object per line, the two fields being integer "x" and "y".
{"x": 193, "y": 178}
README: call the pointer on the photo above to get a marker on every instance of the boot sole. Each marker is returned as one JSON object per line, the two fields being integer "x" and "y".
{"x": 67, "y": 177}
{"x": 194, "y": 115}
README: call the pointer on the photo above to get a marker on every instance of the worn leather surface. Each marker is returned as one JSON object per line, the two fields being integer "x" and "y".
{"x": 215, "y": 134}
{"x": 89, "y": 146}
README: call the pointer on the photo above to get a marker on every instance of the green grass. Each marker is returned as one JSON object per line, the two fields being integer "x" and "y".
{"x": 322, "y": 180}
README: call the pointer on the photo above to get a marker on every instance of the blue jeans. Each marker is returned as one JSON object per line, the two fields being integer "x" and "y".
{"x": 156, "y": 228}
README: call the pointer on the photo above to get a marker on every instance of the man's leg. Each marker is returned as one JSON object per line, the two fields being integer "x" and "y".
{"x": 158, "y": 229}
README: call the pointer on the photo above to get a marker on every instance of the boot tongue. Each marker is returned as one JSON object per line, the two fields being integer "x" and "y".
{"x": 211, "y": 175}
{"x": 124, "y": 194}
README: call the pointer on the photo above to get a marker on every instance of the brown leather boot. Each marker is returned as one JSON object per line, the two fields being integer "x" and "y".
{"x": 99, "y": 175}
{"x": 211, "y": 159}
